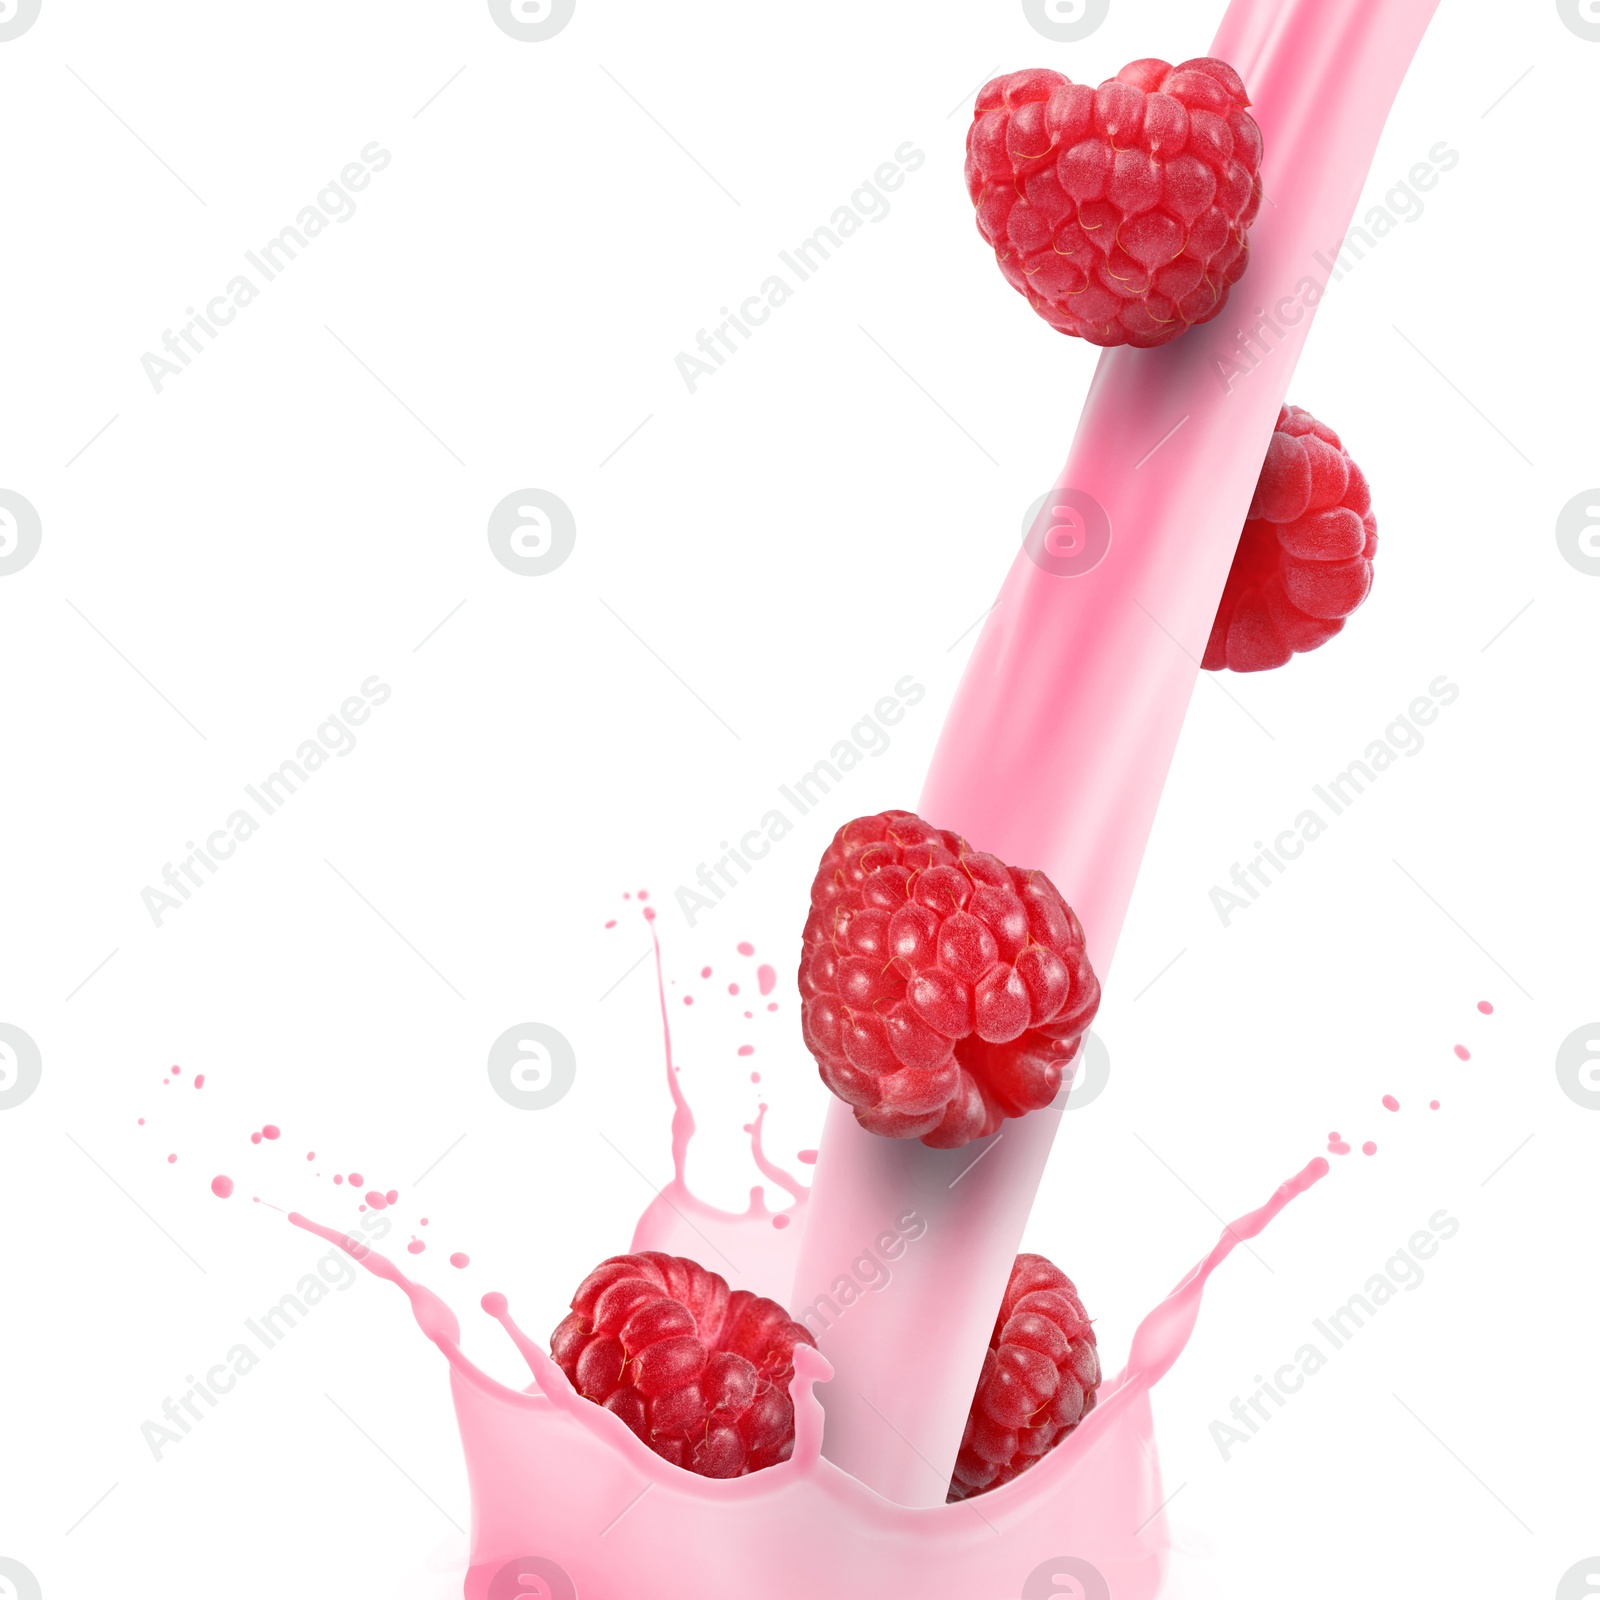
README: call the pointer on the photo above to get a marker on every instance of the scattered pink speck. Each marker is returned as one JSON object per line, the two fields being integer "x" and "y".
{"x": 780, "y": 1221}
{"x": 772, "y": 1005}
{"x": 392, "y": 1195}
{"x": 221, "y": 1186}
{"x": 612, "y": 923}
{"x": 749, "y": 1015}
{"x": 1486, "y": 1008}
{"x": 270, "y": 1131}
{"x": 755, "y": 1077}
{"x": 1369, "y": 1148}
{"x": 255, "y": 1138}
{"x": 809, "y": 1157}
{"x": 338, "y": 1177}
{"x": 1390, "y": 1103}
{"x": 141, "y": 1122}
{"x": 766, "y": 978}
{"x": 1433, "y": 1105}
{"x": 1463, "y": 1053}
{"x": 649, "y": 913}
{"x": 311, "y": 1155}
{"x": 376, "y": 1200}
{"x": 460, "y": 1259}
{"x": 733, "y": 988}
{"x": 747, "y": 1049}
{"x": 424, "y": 1221}
{"x": 644, "y": 894}
{"x": 416, "y": 1247}
{"x": 356, "y": 1179}
{"x": 200, "y": 1080}
{"x": 1337, "y": 1145}
{"x": 688, "y": 999}
{"x": 171, "y": 1159}
{"x": 177, "y": 1072}
{"x": 705, "y": 972}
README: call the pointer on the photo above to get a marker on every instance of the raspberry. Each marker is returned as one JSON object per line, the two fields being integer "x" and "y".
{"x": 1120, "y": 212}
{"x": 944, "y": 991}
{"x": 1304, "y": 561}
{"x": 1039, "y": 1379}
{"x": 700, "y": 1373}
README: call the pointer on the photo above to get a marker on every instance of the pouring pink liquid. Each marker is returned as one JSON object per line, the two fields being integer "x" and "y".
{"x": 1054, "y": 755}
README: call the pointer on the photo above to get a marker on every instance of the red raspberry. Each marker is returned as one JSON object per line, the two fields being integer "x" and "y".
{"x": 1304, "y": 562}
{"x": 1039, "y": 1379}
{"x": 944, "y": 991}
{"x": 1120, "y": 212}
{"x": 700, "y": 1373}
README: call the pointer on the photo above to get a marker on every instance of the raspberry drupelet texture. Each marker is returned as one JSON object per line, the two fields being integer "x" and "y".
{"x": 1304, "y": 561}
{"x": 1039, "y": 1379}
{"x": 700, "y": 1372}
{"x": 1121, "y": 213}
{"x": 943, "y": 990}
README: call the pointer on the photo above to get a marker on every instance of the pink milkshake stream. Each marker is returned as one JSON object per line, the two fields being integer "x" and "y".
{"x": 1056, "y": 749}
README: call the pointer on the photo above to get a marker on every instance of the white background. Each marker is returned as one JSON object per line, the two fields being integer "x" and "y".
{"x": 229, "y": 559}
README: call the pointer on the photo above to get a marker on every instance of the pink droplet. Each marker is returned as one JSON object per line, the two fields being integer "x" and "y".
{"x": 424, "y": 1221}
{"x": 749, "y": 1016}
{"x": 416, "y": 1247}
{"x": 1369, "y": 1148}
{"x": 1337, "y": 1145}
{"x": 392, "y": 1195}
{"x": 733, "y": 988}
{"x": 780, "y": 1221}
{"x": 1486, "y": 1008}
{"x": 200, "y": 1080}
{"x": 177, "y": 1072}
{"x": 772, "y": 1005}
{"x": 1463, "y": 1053}
{"x": 338, "y": 1177}
{"x": 746, "y": 948}
{"x": 460, "y": 1259}
{"x": 809, "y": 1157}
{"x": 270, "y": 1131}
{"x": 494, "y": 1303}
{"x": 311, "y": 1155}
{"x": 171, "y": 1159}
{"x": 1390, "y": 1103}
{"x": 1433, "y": 1105}
{"x": 612, "y": 923}
{"x": 376, "y": 1200}
{"x": 755, "y": 1077}
{"x": 255, "y": 1138}
{"x": 766, "y": 978}
{"x": 356, "y": 1179}
{"x": 705, "y": 972}
{"x": 747, "y": 1049}
{"x": 644, "y": 894}
{"x": 649, "y": 913}
{"x": 688, "y": 999}
{"x": 221, "y": 1186}
{"x": 141, "y": 1122}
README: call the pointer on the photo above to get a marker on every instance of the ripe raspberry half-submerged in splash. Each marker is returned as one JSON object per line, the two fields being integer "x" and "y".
{"x": 1304, "y": 561}
{"x": 944, "y": 991}
{"x": 1039, "y": 1379}
{"x": 1121, "y": 213}
{"x": 698, "y": 1371}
